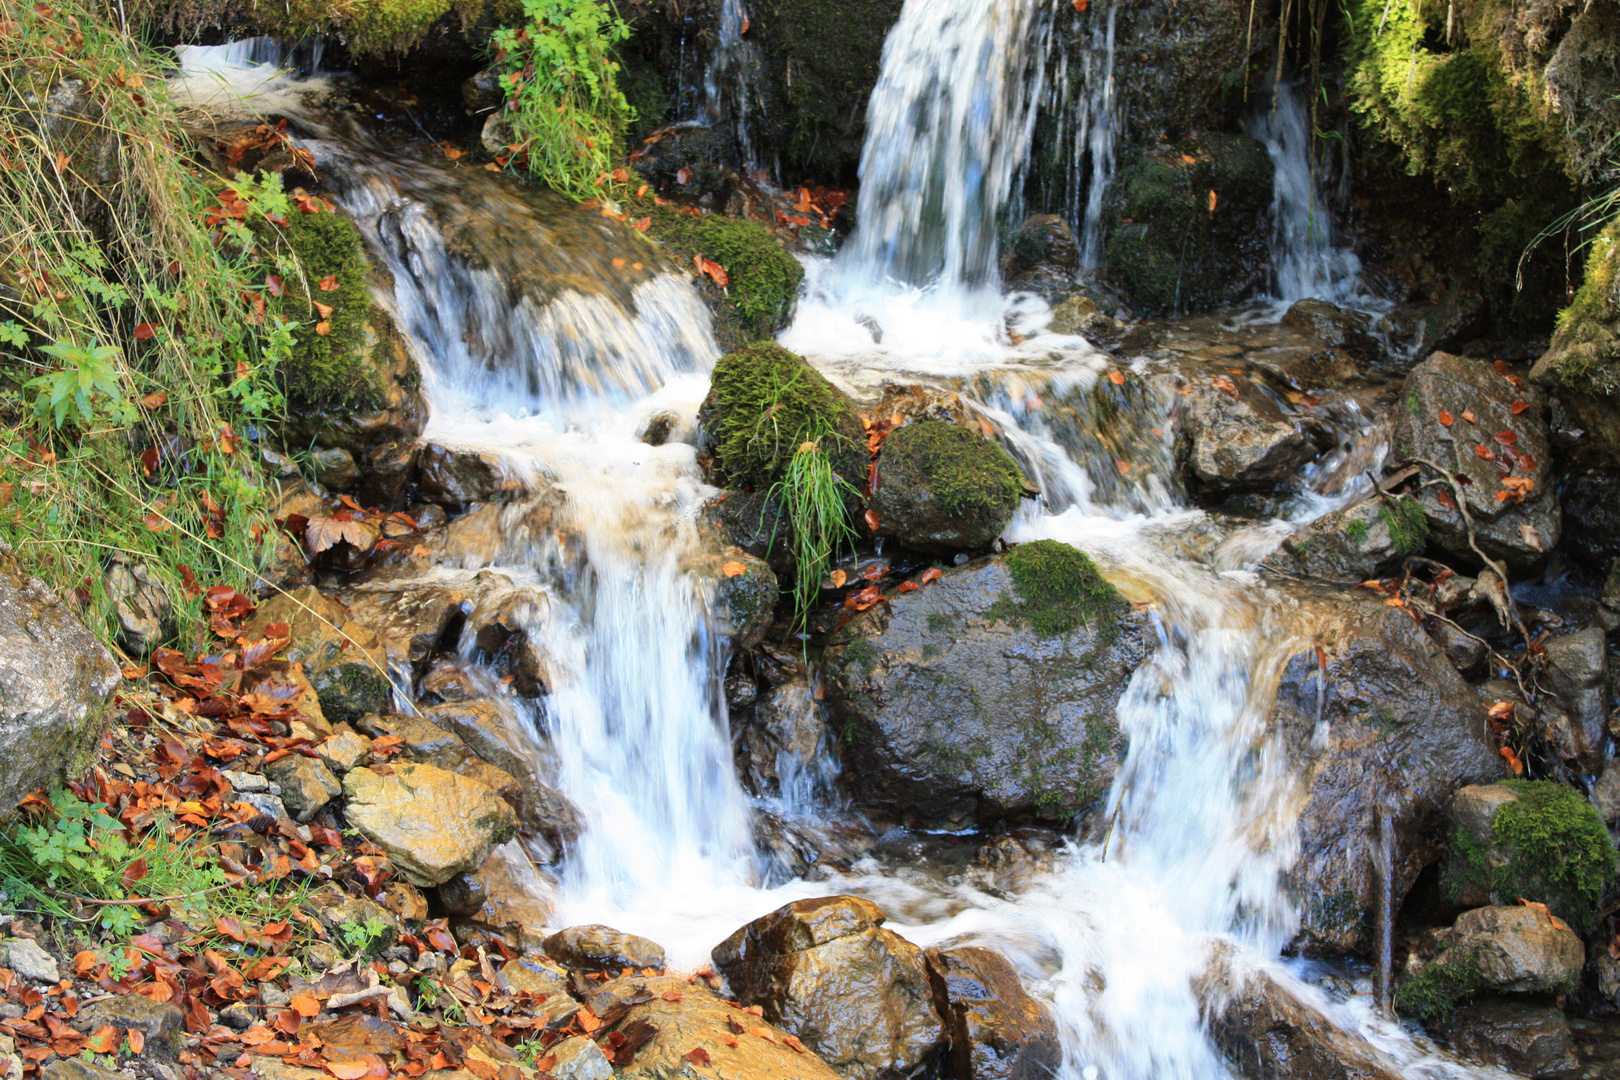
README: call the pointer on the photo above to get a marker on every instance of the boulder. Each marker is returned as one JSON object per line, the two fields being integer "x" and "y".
{"x": 780, "y": 748}
{"x": 458, "y": 476}
{"x": 1522, "y": 526}
{"x": 602, "y": 948}
{"x": 1527, "y": 840}
{"x": 1592, "y": 516}
{"x": 579, "y": 1058}
{"x": 427, "y": 619}
{"x": 994, "y": 1029}
{"x": 1524, "y": 1037}
{"x": 432, "y": 823}
{"x": 828, "y": 971}
{"x": 989, "y": 693}
{"x": 306, "y": 784}
{"x": 1354, "y": 543}
{"x": 514, "y": 903}
{"x": 944, "y": 489}
{"x": 1578, "y": 672}
{"x": 1519, "y": 949}
{"x": 1378, "y": 718}
{"x": 55, "y": 678}
{"x": 744, "y": 587}
{"x": 677, "y": 1018}
{"x": 1238, "y": 437}
{"x": 345, "y": 662}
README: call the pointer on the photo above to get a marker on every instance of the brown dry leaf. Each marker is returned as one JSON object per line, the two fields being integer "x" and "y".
{"x": 105, "y": 1040}
{"x": 1213, "y": 199}
{"x": 838, "y": 579}
{"x": 325, "y": 532}
{"x": 698, "y": 1056}
{"x": 1468, "y": 415}
{"x": 306, "y": 1005}
{"x": 1517, "y": 407}
{"x": 155, "y": 399}
{"x": 323, "y": 328}
{"x": 1485, "y": 452}
{"x": 734, "y": 569}
{"x": 762, "y": 1033}
{"x": 793, "y": 1042}
{"x": 137, "y": 1040}
{"x": 872, "y": 520}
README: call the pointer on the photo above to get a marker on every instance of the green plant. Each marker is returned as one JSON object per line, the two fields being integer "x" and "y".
{"x": 1434, "y": 994}
{"x": 1059, "y": 588}
{"x": 815, "y": 499}
{"x": 1408, "y": 525}
{"x": 363, "y": 939}
{"x": 86, "y": 386}
{"x": 564, "y": 105}
{"x": 766, "y": 403}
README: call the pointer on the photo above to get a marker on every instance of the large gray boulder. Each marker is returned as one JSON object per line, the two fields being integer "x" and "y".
{"x": 958, "y": 704}
{"x": 55, "y": 677}
{"x": 1471, "y": 420}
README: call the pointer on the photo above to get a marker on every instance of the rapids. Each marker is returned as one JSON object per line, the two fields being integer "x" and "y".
{"x": 536, "y": 353}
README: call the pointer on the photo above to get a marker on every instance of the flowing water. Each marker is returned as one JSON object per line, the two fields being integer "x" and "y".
{"x": 537, "y": 351}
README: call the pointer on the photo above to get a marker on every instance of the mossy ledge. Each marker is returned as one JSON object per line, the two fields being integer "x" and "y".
{"x": 1059, "y": 588}
{"x": 764, "y": 402}
{"x": 764, "y": 276}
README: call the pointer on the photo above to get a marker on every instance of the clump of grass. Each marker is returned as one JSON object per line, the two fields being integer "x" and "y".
{"x": 765, "y": 403}
{"x": 815, "y": 499}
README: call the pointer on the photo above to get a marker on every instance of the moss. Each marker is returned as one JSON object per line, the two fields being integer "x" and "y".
{"x": 1433, "y": 995}
{"x": 1059, "y": 588}
{"x": 938, "y": 620}
{"x": 941, "y": 479}
{"x": 1408, "y": 526}
{"x": 765, "y": 401}
{"x": 1356, "y": 532}
{"x": 1585, "y": 352}
{"x": 862, "y": 653}
{"x": 764, "y": 276}
{"x": 366, "y": 27}
{"x": 1560, "y": 850}
{"x": 335, "y": 368}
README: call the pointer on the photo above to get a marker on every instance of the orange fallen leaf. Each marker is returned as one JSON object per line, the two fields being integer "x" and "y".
{"x": 793, "y": 1041}
{"x": 838, "y": 579}
{"x": 306, "y": 1005}
{"x": 731, "y": 1040}
{"x": 762, "y": 1033}
{"x": 323, "y": 328}
{"x": 105, "y": 1040}
{"x": 1446, "y": 418}
{"x": 698, "y": 1056}
{"x": 1517, "y": 407}
{"x": 931, "y": 575}
{"x": 137, "y": 1040}
{"x": 908, "y": 586}
{"x": 618, "y": 264}
{"x": 1116, "y": 377}
{"x": 1124, "y": 467}
{"x": 1485, "y": 452}
{"x": 1213, "y": 199}
{"x": 872, "y": 520}
{"x": 329, "y": 283}
{"x": 144, "y": 331}
{"x": 1468, "y": 415}
{"x": 734, "y": 569}
{"x": 1513, "y": 761}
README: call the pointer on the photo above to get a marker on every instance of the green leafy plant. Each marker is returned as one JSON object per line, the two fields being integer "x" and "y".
{"x": 564, "y": 105}
{"x": 363, "y": 939}
{"x": 86, "y": 386}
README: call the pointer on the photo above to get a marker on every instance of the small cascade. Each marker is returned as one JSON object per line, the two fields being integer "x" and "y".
{"x": 1101, "y": 117}
{"x": 733, "y": 84}
{"x": 1306, "y": 258}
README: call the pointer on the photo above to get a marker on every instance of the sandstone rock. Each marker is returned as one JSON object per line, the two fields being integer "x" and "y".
{"x": 994, "y": 1029}
{"x": 54, "y": 681}
{"x": 345, "y": 662}
{"x": 26, "y": 958}
{"x": 827, "y": 970}
{"x": 433, "y": 823}
{"x": 602, "y": 948}
{"x": 957, "y": 708}
{"x": 1519, "y": 532}
{"x": 514, "y": 904}
{"x": 344, "y": 751}
{"x": 1528, "y": 1038}
{"x": 426, "y": 618}
{"x": 527, "y": 974}
{"x": 306, "y": 784}
{"x": 424, "y": 740}
{"x": 684, "y": 1016}
{"x": 944, "y": 488}
{"x": 159, "y": 1021}
{"x": 1518, "y": 949}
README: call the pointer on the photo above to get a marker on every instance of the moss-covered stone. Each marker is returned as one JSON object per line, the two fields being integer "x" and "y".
{"x": 365, "y": 27}
{"x": 944, "y": 488}
{"x": 764, "y": 276}
{"x": 1548, "y": 845}
{"x": 764, "y": 403}
{"x": 1435, "y": 993}
{"x": 332, "y": 361}
{"x": 1059, "y": 588}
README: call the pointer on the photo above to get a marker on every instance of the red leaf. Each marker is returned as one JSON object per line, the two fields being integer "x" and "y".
{"x": 908, "y": 586}
{"x": 329, "y": 283}
{"x": 274, "y": 284}
{"x": 698, "y": 1056}
{"x": 1485, "y": 452}
{"x": 144, "y": 331}
{"x": 1507, "y": 438}
{"x": 1517, "y": 407}
{"x": 931, "y": 575}
{"x": 1446, "y": 418}
{"x": 872, "y": 520}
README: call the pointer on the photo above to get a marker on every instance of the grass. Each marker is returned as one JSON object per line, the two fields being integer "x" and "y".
{"x": 815, "y": 500}
{"x": 114, "y": 245}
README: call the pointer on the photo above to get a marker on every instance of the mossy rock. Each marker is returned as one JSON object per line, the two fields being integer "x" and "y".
{"x": 764, "y": 277}
{"x": 1538, "y": 841}
{"x": 943, "y": 488}
{"x": 1059, "y": 588}
{"x": 1188, "y": 224}
{"x": 369, "y": 29}
{"x": 764, "y": 403}
{"x": 1583, "y": 361}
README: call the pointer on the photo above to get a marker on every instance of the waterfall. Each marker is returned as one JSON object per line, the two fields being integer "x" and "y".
{"x": 1100, "y": 122}
{"x": 733, "y": 84}
{"x": 1306, "y": 258}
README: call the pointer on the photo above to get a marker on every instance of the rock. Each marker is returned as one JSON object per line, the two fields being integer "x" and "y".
{"x": 306, "y": 784}
{"x": 424, "y": 740}
{"x": 780, "y": 749}
{"x": 141, "y": 605}
{"x": 1236, "y": 437}
{"x": 974, "y": 699}
{"x": 1042, "y": 257}
{"x": 432, "y": 823}
{"x": 1466, "y": 652}
{"x": 1379, "y": 719}
{"x": 344, "y": 751}
{"x": 1606, "y": 795}
{"x": 458, "y": 476}
{"x": 463, "y": 894}
{"x": 426, "y": 618}
{"x": 1352, "y": 544}
{"x": 1523, "y": 1037}
{"x": 944, "y": 489}
{"x": 74, "y": 1069}
{"x": 404, "y": 900}
{"x": 159, "y": 1021}
{"x": 1519, "y": 949}
{"x": 1592, "y": 516}
{"x": 579, "y": 1058}
{"x": 245, "y": 782}
{"x": 500, "y": 624}
{"x": 602, "y": 948}
{"x": 828, "y": 971}
{"x": 744, "y": 587}
{"x": 1578, "y": 672}
{"x": 679, "y": 1016}
{"x": 345, "y": 662}
{"x": 994, "y": 1029}
{"x": 490, "y": 731}
{"x": 11, "y": 1066}
{"x": 334, "y": 468}
{"x": 286, "y": 681}
{"x": 1527, "y": 839}
{"x": 1518, "y": 532}
{"x": 1073, "y": 315}
{"x": 55, "y": 678}
{"x": 526, "y": 974}
{"x": 444, "y": 682}
{"x": 266, "y": 804}
{"x": 353, "y": 918}
{"x": 1335, "y": 328}
{"x": 26, "y": 958}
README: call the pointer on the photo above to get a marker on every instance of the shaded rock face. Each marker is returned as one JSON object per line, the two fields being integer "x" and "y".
{"x": 953, "y": 712}
{"x": 829, "y": 972}
{"x": 1525, "y": 1037}
{"x": 1387, "y": 721}
{"x": 1519, "y": 532}
{"x": 55, "y": 678}
{"x": 433, "y": 824}
{"x": 1592, "y": 516}
{"x": 1335, "y": 328}
{"x": 1517, "y": 949}
{"x": 1578, "y": 672}
{"x": 995, "y": 1031}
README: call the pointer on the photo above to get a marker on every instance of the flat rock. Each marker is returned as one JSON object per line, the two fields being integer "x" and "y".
{"x": 159, "y": 1021}
{"x": 602, "y": 948}
{"x": 1529, "y": 1038}
{"x": 433, "y": 823}
{"x": 28, "y": 959}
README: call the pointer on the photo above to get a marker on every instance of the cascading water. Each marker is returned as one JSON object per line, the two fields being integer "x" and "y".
{"x": 733, "y": 84}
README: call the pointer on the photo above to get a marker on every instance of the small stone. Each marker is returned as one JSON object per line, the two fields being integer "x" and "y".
{"x": 344, "y": 751}
{"x": 245, "y": 782}
{"x": 268, "y": 805}
{"x": 237, "y": 1015}
{"x": 579, "y": 1059}
{"x": 26, "y": 958}
{"x": 159, "y": 1021}
{"x": 306, "y": 784}
{"x": 602, "y": 948}
{"x": 74, "y": 1069}
{"x": 527, "y": 973}
{"x": 273, "y": 996}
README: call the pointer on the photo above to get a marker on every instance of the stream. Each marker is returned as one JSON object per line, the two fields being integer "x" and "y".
{"x": 538, "y": 352}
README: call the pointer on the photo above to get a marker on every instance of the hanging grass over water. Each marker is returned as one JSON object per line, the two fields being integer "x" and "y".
{"x": 814, "y": 498}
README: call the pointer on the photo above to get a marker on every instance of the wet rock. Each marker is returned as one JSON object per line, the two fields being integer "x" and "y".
{"x": 579, "y": 1059}
{"x": 306, "y": 784}
{"x": 994, "y": 1029}
{"x": 26, "y": 958}
{"x": 1518, "y": 949}
{"x": 602, "y": 948}
{"x": 502, "y": 617}
{"x": 944, "y": 488}
{"x": 287, "y": 564}
{"x": 756, "y": 523}
{"x": 446, "y": 682}
{"x": 1237, "y": 437}
{"x": 463, "y": 894}
{"x": 965, "y": 701}
{"x": 433, "y": 823}
{"x": 458, "y": 475}
{"x": 1334, "y": 327}
{"x": 828, "y": 971}
{"x": 1528, "y": 1038}
{"x": 527, "y": 974}
{"x": 425, "y": 618}
{"x": 1042, "y": 238}
{"x": 141, "y": 605}
{"x": 782, "y": 744}
{"x": 55, "y": 677}
{"x": 1353, "y": 544}
{"x": 676, "y": 1017}
{"x": 1578, "y": 672}
{"x": 1380, "y": 718}
{"x": 689, "y": 160}
{"x": 344, "y": 751}
{"x": 334, "y": 468}
{"x": 1466, "y": 652}
{"x": 1592, "y": 516}
{"x": 489, "y": 730}
{"x": 345, "y": 662}
{"x": 424, "y": 740}
{"x": 1074, "y": 315}
{"x": 352, "y": 918}
{"x": 1519, "y": 532}
{"x": 1606, "y": 795}
{"x": 158, "y": 1021}
{"x": 481, "y": 92}
{"x": 745, "y": 589}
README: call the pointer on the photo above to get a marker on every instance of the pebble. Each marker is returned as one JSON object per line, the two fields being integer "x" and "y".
{"x": 266, "y": 804}
{"x": 26, "y": 958}
{"x": 244, "y": 782}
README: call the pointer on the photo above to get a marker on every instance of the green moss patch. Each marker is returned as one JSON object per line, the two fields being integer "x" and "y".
{"x": 1434, "y": 995}
{"x": 764, "y": 276}
{"x": 1408, "y": 526}
{"x": 971, "y": 482}
{"x": 1059, "y": 588}
{"x": 765, "y": 402}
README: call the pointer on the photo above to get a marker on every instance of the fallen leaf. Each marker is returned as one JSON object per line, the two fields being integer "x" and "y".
{"x": 908, "y": 586}
{"x": 1517, "y": 407}
{"x": 105, "y": 1040}
{"x": 793, "y": 1041}
{"x": 1468, "y": 415}
{"x": 137, "y": 1040}
{"x": 323, "y": 328}
{"x": 1116, "y": 377}
{"x": 144, "y": 331}
{"x": 328, "y": 283}
{"x": 1513, "y": 761}
{"x": 1446, "y": 418}
{"x": 931, "y": 575}
{"x": 1485, "y": 452}
{"x": 698, "y": 1056}
{"x": 872, "y": 520}
{"x": 734, "y": 569}
{"x": 1124, "y": 467}
{"x": 838, "y": 579}
{"x": 306, "y": 1005}
{"x": 1213, "y": 199}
